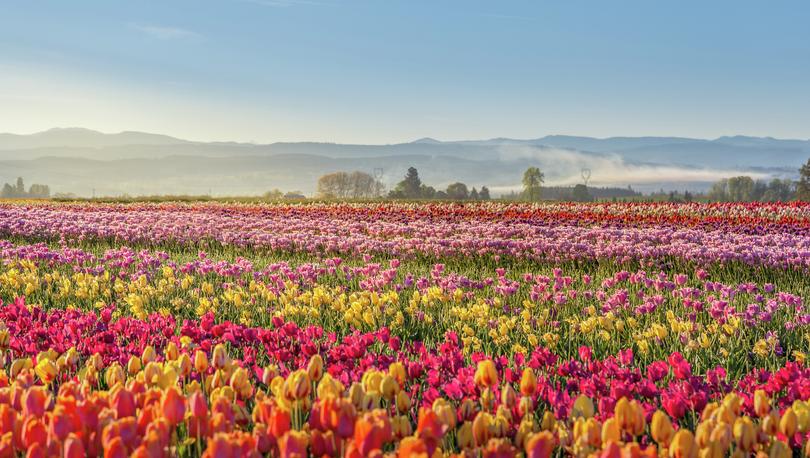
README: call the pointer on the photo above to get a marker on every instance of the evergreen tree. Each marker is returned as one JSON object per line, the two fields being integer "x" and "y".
{"x": 410, "y": 187}
{"x": 484, "y": 193}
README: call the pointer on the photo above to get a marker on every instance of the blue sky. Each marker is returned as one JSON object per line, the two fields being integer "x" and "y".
{"x": 382, "y": 71}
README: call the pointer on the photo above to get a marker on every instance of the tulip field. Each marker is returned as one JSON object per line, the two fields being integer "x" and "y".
{"x": 404, "y": 329}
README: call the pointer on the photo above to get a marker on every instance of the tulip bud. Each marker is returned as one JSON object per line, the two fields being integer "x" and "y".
{"x": 465, "y": 436}
{"x": 114, "y": 375}
{"x": 540, "y": 445}
{"x": 200, "y": 362}
{"x": 683, "y": 445}
{"x": 389, "y": 387}
{"x": 397, "y": 370}
{"x": 611, "y": 431}
{"x": 134, "y": 365}
{"x": 297, "y": 385}
{"x": 240, "y": 383}
{"x": 173, "y": 406}
{"x": 504, "y": 412}
{"x": 789, "y": 423}
{"x": 482, "y": 428}
{"x": 500, "y": 426}
{"x": 46, "y": 371}
{"x": 721, "y": 434}
{"x": 96, "y": 361}
{"x": 446, "y": 414}
{"x": 770, "y": 424}
{"x": 703, "y": 432}
{"x": 549, "y": 421}
{"x": 528, "y": 383}
{"x": 403, "y": 402}
{"x": 508, "y": 396}
{"x": 762, "y": 405}
{"x": 744, "y": 434}
{"x": 401, "y": 426}
{"x": 467, "y": 410}
{"x": 661, "y": 428}
{"x": 149, "y": 354}
{"x": 219, "y": 357}
{"x": 713, "y": 450}
{"x": 171, "y": 352}
{"x": 356, "y": 394}
{"x": 486, "y": 376}
{"x": 525, "y": 429}
{"x": 184, "y": 365}
{"x": 583, "y": 407}
{"x": 315, "y": 368}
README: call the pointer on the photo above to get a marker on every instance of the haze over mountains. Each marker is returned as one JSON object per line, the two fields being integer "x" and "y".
{"x": 81, "y": 161}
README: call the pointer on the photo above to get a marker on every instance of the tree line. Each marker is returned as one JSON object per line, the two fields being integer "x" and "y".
{"x": 411, "y": 187}
{"x": 17, "y": 190}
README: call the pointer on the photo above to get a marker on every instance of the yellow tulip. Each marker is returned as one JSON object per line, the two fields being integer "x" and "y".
{"x": 683, "y": 445}
{"x": 762, "y": 405}
{"x": 788, "y": 425}
{"x": 661, "y": 428}
{"x": 486, "y": 375}
{"x": 583, "y": 407}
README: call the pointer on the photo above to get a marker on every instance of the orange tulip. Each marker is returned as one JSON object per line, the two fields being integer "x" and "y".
{"x": 36, "y": 451}
{"x": 293, "y": 444}
{"x": 34, "y": 400}
{"x": 34, "y": 432}
{"x": 412, "y": 447}
{"x": 200, "y": 362}
{"x": 7, "y": 419}
{"x": 197, "y": 406}
{"x": 279, "y": 422}
{"x": 62, "y": 423}
{"x": 528, "y": 382}
{"x": 371, "y": 431}
{"x": 74, "y": 447}
{"x": 173, "y": 406}
{"x": 7, "y": 445}
{"x": 115, "y": 449}
{"x": 338, "y": 415}
{"x": 123, "y": 402}
{"x": 540, "y": 445}
{"x": 323, "y": 443}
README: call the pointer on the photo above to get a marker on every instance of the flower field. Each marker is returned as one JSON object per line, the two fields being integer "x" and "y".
{"x": 383, "y": 329}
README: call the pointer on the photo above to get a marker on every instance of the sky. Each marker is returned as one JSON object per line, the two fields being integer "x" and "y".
{"x": 388, "y": 71}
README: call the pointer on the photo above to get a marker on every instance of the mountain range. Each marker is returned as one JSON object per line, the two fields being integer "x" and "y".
{"x": 84, "y": 161}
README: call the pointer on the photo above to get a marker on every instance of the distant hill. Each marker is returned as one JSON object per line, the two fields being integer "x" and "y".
{"x": 80, "y": 160}
{"x": 78, "y": 137}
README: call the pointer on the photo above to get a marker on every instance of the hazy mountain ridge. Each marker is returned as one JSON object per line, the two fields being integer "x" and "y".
{"x": 81, "y": 160}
